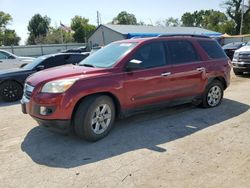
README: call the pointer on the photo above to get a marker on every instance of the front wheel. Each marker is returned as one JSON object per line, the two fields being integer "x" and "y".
{"x": 10, "y": 91}
{"x": 94, "y": 117}
{"x": 213, "y": 95}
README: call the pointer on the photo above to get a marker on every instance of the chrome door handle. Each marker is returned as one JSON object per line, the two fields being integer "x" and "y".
{"x": 201, "y": 69}
{"x": 166, "y": 74}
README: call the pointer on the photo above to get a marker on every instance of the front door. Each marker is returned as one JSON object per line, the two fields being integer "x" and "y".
{"x": 152, "y": 83}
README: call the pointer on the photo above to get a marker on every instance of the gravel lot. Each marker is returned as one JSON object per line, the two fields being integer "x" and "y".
{"x": 183, "y": 146}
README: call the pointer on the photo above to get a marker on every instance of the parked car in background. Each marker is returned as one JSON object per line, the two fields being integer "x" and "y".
{"x": 95, "y": 49}
{"x": 9, "y": 60}
{"x": 232, "y": 47}
{"x": 125, "y": 77}
{"x": 12, "y": 80}
{"x": 241, "y": 60}
{"x": 76, "y": 50}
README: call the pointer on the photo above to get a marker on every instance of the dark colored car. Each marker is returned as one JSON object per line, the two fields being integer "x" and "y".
{"x": 232, "y": 47}
{"x": 125, "y": 77}
{"x": 12, "y": 80}
{"x": 76, "y": 50}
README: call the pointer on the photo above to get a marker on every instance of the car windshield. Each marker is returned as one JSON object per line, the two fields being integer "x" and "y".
{"x": 35, "y": 62}
{"x": 108, "y": 56}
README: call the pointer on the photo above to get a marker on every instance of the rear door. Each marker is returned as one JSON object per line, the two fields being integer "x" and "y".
{"x": 188, "y": 71}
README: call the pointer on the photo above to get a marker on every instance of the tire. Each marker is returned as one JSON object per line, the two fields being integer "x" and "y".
{"x": 89, "y": 120}
{"x": 237, "y": 72}
{"x": 10, "y": 91}
{"x": 213, "y": 94}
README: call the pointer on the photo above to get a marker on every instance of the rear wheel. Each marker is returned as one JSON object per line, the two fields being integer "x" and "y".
{"x": 10, "y": 91}
{"x": 94, "y": 117}
{"x": 213, "y": 94}
{"x": 237, "y": 72}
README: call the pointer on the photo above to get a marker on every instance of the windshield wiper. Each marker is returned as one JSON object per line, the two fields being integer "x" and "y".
{"x": 87, "y": 65}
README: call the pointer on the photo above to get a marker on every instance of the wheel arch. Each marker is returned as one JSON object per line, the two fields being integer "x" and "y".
{"x": 219, "y": 78}
{"x": 111, "y": 95}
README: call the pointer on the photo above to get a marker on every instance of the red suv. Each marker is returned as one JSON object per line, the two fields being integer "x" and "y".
{"x": 124, "y": 77}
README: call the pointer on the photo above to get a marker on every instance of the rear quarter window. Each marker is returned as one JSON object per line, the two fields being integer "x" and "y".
{"x": 213, "y": 49}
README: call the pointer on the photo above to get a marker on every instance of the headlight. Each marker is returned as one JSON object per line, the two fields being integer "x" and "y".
{"x": 236, "y": 54}
{"x": 58, "y": 86}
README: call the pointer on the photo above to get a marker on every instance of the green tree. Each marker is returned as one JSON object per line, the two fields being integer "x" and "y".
{"x": 38, "y": 28}
{"x": 125, "y": 18}
{"x": 234, "y": 11}
{"x": 169, "y": 22}
{"x": 57, "y": 36}
{"x": 10, "y": 38}
{"x": 208, "y": 19}
{"x": 7, "y": 37}
{"x": 82, "y": 28}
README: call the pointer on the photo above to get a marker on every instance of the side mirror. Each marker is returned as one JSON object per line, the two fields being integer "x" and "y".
{"x": 134, "y": 64}
{"x": 40, "y": 67}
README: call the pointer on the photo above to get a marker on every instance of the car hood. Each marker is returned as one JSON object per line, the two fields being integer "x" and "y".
{"x": 64, "y": 72}
{"x": 25, "y": 58}
{"x": 230, "y": 48}
{"x": 244, "y": 49}
{"x": 15, "y": 71}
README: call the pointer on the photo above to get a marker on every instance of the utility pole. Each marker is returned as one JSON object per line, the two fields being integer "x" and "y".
{"x": 242, "y": 16}
{"x": 98, "y": 18}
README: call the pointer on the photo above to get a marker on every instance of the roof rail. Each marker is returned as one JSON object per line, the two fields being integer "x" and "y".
{"x": 183, "y": 35}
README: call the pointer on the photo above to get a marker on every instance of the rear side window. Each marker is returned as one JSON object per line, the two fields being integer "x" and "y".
{"x": 213, "y": 49}
{"x": 75, "y": 58}
{"x": 151, "y": 55}
{"x": 182, "y": 52}
{"x": 54, "y": 61}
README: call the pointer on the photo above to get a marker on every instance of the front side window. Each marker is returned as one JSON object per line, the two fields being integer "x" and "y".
{"x": 151, "y": 55}
{"x": 108, "y": 56}
{"x": 182, "y": 52}
{"x": 3, "y": 55}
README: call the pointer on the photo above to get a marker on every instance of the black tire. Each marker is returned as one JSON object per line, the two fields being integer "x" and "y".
{"x": 10, "y": 91}
{"x": 86, "y": 111}
{"x": 237, "y": 72}
{"x": 207, "y": 99}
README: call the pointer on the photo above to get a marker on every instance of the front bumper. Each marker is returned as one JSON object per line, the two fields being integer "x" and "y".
{"x": 244, "y": 66}
{"x": 61, "y": 126}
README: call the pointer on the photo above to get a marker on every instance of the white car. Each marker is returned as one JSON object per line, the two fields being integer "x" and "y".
{"x": 241, "y": 60}
{"x": 9, "y": 60}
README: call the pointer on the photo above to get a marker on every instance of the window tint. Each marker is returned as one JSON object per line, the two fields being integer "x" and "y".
{"x": 213, "y": 49}
{"x": 54, "y": 61}
{"x": 182, "y": 52}
{"x": 75, "y": 58}
{"x": 151, "y": 55}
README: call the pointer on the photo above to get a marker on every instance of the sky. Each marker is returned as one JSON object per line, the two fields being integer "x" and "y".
{"x": 64, "y": 10}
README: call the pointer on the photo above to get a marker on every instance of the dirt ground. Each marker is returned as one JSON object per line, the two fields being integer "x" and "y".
{"x": 184, "y": 146}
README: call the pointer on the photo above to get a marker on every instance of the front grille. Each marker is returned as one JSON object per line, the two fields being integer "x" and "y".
{"x": 244, "y": 58}
{"x": 28, "y": 89}
{"x": 27, "y": 94}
